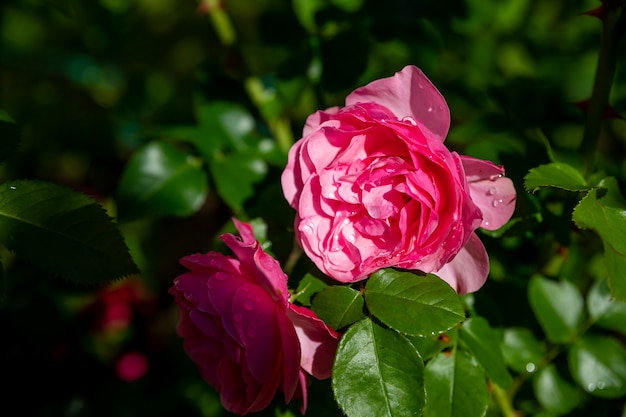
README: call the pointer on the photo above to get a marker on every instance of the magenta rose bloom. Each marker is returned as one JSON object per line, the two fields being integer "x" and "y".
{"x": 374, "y": 186}
{"x": 242, "y": 332}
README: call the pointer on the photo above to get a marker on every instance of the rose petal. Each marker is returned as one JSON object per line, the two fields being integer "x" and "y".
{"x": 468, "y": 271}
{"x": 493, "y": 193}
{"x": 409, "y": 93}
{"x": 254, "y": 316}
{"x": 257, "y": 263}
{"x": 318, "y": 342}
{"x": 291, "y": 355}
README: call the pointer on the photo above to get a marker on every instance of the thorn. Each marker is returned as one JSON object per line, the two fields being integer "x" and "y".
{"x": 597, "y": 12}
{"x": 609, "y": 112}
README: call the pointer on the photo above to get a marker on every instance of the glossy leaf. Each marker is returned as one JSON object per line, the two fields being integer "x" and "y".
{"x": 605, "y": 311}
{"x": 377, "y": 373}
{"x": 160, "y": 179}
{"x": 455, "y": 386}
{"x": 598, "y": 364}
{"x": 307, "y": 288}
{"x": 63, "y": 232}
{"x": 486, "y": 345}
{"x": 397, "y": 298}
{"x": 553, "y": 392}
{"x": 604, "y": 211}
{"x": 338, "y": 306}
{"x": 521, "y": 349}
{"x": 429, "y": 346}
{"x": 558, "y": 307}
{"x": 555, "y": 174}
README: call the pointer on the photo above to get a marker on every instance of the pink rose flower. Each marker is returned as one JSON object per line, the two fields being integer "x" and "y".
{"x": 242, "y": 332}
{"x": 374, "y": 186}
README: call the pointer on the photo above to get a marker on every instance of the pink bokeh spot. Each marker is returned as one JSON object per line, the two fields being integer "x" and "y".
{"x": 131, "y": 366}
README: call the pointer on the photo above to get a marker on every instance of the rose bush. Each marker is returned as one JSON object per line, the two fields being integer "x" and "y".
{"x": 374, "y": 186}
{"x": 242, "y": 332}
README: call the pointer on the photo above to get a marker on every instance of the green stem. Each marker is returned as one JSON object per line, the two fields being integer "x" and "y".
{"x": 605, "y": 72}
{"x": 504, "y": 402}
{"x": 221, "y": 21}
{"x": 278, "y": 125}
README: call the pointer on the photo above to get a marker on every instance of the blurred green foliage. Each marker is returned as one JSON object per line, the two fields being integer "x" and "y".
{"x": 213, "y": 94}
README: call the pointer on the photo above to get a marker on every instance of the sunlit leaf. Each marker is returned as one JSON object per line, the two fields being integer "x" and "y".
{"x": 338, "y": 306}
{"x": 486, "y": 345}
{"x": 558, "y": 307}
{"x": 63, "y": 232}
{"x": 307, "y": 287}
{"x": 455, "y": 386}
{"x": 397, "y": 298}
{"x": 160, "y": 179}
{"x": 553, "y": 392}
{"x": 555, "y": 174}
{"x": 598, "y": 364}
{"x": 522, "y": 351}
{"x": 604, "y": 211}
{"x": 377, "y": 373}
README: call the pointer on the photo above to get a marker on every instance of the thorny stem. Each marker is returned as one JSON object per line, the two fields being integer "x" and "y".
{"x": 605, "y": 71}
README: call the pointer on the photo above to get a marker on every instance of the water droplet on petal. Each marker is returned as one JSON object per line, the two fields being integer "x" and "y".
{"x": 495, "y": 177}
{"x": 249, "y": 305}
{"x": 591, "y": 387}
{"x": 13, "y": 187}
{"x": 492, "y": 191}
{"x": 496, "y": 202}
{"x": 530, "y": 367}
{"x": 430, "y": 108}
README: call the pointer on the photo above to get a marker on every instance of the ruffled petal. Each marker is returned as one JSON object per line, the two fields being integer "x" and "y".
{"x": 318, "y": 342}
{"x": 409, "y": 93}
{"x": 468, "y": 271}
{"x": 491, "y": 191}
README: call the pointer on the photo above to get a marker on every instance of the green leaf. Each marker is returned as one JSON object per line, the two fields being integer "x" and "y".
{"x": 235, "y": 175}
{"x": 553, "y": 392}
{"x": 455, "y": 386}
{"x": 604, "y": 211}
{"x": 160, "y": 179}
{"x": 598, "y": 364}
{"x": 9, "y": 136}
{"x": 605, "y": 311}
{"x": 485, "y": 343}
{"x": 338, "y": 306}
{"x": 429, "y": 346}
{"x": 413, "y": 304}
{"x": 222, "y": 125}
{"x": 555, "y": 174}
{"x": 558, "y": 307}
{"x": 377, "y": 373}
{"x": 63, "y": 232}
{"x": 307, "y": 288}
{"x": 521, "y": 350}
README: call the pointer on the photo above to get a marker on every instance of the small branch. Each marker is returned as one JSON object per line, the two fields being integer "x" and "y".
{"x": 605, "y": 71}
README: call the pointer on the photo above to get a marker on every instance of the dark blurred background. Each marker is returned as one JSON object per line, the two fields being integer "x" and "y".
{"x": 91, "y": 82}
